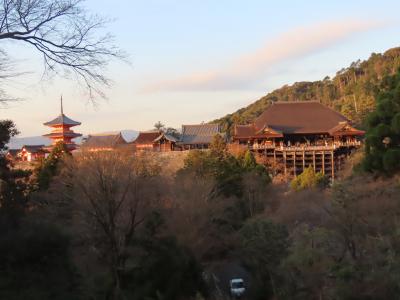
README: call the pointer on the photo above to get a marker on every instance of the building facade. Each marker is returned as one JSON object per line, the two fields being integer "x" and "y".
{"x": 292, "y": 136}
{"x": 198, "y": 136}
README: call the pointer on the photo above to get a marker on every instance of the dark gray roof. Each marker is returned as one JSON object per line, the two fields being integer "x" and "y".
{"x": 104, "y": 141}
{"x": 13, "y": 152}
{"x": 168, "y": 137}
{"x": 199, "y": 134}
{"x": 33, "y": 148}
{"x": 62, "y": 119}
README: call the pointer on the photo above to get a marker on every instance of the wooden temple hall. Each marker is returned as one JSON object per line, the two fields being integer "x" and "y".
{"x": 292, "y": 136}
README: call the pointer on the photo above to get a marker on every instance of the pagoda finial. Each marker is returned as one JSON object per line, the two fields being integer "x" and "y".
{"x": 62, "y": 110}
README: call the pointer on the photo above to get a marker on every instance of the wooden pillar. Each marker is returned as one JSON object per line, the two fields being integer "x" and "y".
{"x": 284, "y": 162}
{"x": 332, "y": 166}
{"x": 294, "y": 163}
{"x": 323, "y": 162}
{"x": 304, "y": 161}
{"x": 274, "y": 158}
{"x": 313, "y": 159}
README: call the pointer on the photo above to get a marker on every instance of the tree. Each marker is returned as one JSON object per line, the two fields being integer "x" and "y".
{"x": 7, "y": 131}
{"x": 110, "y": 196}
{"x": 49, "y": 167}
{"x": 36, "y": 262}
{"x": 218, "y": 147}
{"x": 382, "y": 151}
{"x": 249, "y": 161}
{"x": 264, "y": 245}
{"x": 65, "y": 35}
{"x": 159, "y": 126}
{"x": 13, "y": 187}
{"x": 308, "y": 179}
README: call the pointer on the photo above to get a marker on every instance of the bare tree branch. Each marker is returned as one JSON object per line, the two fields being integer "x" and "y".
{"x": 66, "y": 35}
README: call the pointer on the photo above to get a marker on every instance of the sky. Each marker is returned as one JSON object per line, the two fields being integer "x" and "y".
{"x": 192, "y": 61}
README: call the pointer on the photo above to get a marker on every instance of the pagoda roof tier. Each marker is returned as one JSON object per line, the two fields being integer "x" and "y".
{"x": 62, "y": 134}
{"x": 62, "y": 120}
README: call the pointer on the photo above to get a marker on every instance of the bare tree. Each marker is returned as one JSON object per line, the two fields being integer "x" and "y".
{"x": 111, "y": 196}
{"x": 66, "y": 36}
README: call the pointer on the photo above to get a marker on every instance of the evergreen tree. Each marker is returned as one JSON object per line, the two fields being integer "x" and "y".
{"x": 308, "y": 179}
{"x": 49, "y": 167}
{"x": 249, "y": 161}
{"x": 382, "y": 147}
{"x": 12, "y": 182}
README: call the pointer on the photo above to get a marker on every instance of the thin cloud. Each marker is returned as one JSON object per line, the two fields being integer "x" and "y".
{"x": 249, "y": 68}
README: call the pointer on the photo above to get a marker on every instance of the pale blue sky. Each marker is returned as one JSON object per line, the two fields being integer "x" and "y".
{"x": 194, "y": 61}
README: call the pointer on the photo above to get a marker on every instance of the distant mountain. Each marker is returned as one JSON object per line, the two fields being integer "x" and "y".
{"x": 19, "y": 142}
{"x": 351, "y": 92}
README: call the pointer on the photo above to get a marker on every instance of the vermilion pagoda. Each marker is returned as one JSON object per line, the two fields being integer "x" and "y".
{"x": 61, "y": 130}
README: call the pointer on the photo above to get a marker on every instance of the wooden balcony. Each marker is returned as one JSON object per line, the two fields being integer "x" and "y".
{"x": 305, "y": 147}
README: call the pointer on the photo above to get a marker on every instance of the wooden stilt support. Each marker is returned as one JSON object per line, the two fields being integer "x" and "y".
{"x": 313, "y": 160}
{"x": 294, "y": 164}
{"x": 284, "y": 162}
{"x": 323, "y": 162}
{"x": 304, "y": 161}
{"x": 332, "y": 166}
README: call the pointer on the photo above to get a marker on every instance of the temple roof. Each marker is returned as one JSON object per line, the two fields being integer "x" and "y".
{"x": 33, "y": 148}
{"x": 61, "y": 134}
{"x": 166, "y": 136}
{"x": 147, "y": 137}
{"x": 199, "y": 134}
{"x": 306, "y": 117}
{"x": 104, "y": 141}
{"x": 62, "y": 120}
{"x": 344, "y": 128}
{"x": 13, "y": 152}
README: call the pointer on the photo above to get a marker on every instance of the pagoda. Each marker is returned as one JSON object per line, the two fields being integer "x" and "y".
{"x": 61, "y": 130}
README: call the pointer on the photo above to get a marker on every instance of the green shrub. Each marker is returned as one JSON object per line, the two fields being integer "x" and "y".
{"x": 308, "y": 179}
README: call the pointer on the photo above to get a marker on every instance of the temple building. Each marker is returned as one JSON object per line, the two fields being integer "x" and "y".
{"x": 61, "y": 130}
{"x": 198, "y": 136}
{"x": 146, "y": 140}
{"x": 165, "y": 143}
{"x": 292, "y": 136}
{"x": 31, "y": 152}
{"x": 105, "y": 142}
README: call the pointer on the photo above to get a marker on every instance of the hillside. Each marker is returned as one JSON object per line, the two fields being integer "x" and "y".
{"x": 350, "y": 92}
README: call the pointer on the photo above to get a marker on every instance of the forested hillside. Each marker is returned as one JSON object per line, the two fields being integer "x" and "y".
{"x": 350, "y": 92}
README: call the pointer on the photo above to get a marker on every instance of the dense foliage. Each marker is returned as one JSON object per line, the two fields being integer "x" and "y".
{"x": 227, "y": 170}
{"x": 350, "y": 92}
{"x": 13, "y": 187}
{"x": 382, "y": 149}
{"x": 308, "y": 179}
{"x": 49, "y": 167}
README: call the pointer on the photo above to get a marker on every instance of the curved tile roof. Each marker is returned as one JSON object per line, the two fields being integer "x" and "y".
{"x": 62, "y": 119}
{"x": 147, "y": 137}
{"x": 104, "y": 141}
{"x": 299, "y": 117}
{"x": 199, "y": 134}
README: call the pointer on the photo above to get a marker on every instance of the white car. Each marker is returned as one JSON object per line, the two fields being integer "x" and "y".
{"x": 237, "y": 287}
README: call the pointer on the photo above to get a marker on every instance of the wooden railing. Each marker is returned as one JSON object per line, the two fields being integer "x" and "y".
{"x": 303, "y": 147}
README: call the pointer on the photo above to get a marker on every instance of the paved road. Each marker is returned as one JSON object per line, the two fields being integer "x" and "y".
{"x": 228, "y": 270}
